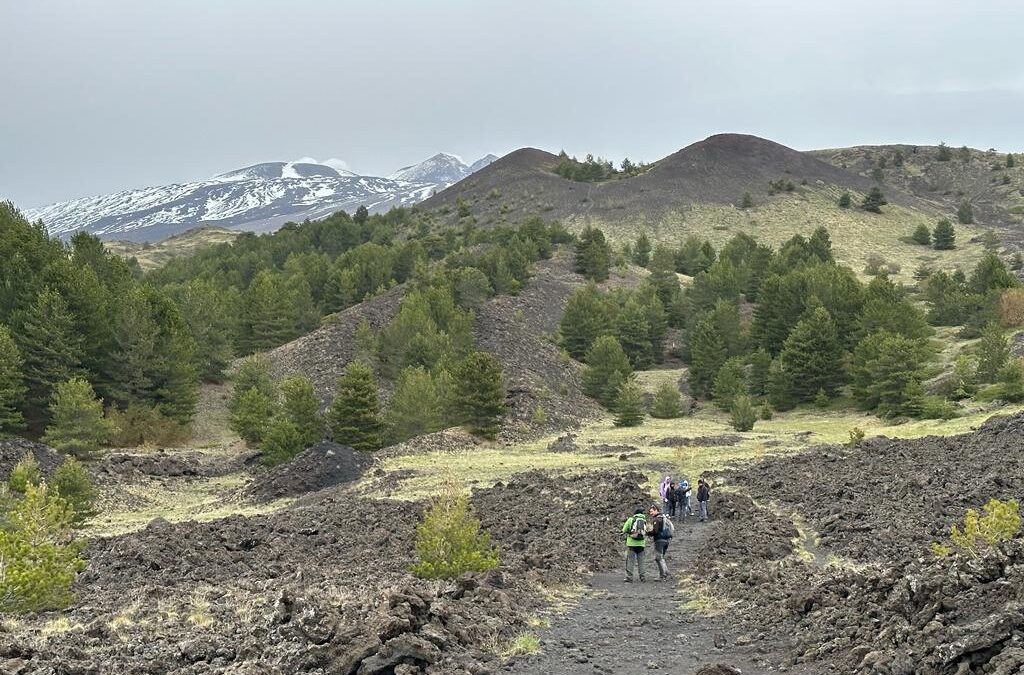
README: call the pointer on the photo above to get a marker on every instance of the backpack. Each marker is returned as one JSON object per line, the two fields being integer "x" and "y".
{"x": 638, "y": 529}
{"x": 668, "y": 529}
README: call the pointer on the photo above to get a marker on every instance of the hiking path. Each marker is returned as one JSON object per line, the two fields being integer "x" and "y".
{"x": 619, "y": 628}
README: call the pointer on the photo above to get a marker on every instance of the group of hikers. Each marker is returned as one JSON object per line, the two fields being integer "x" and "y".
{"x": 657, "y": 524}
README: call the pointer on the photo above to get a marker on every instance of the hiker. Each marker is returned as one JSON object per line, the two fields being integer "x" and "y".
{"x": 673, "y": 498}
{"x": 703, "y": 497}
{"x": 662, "y": 531}
{"x": 684, "y": 498}
{"x": 635, "y": 529}
{"x": 663, "y": 491}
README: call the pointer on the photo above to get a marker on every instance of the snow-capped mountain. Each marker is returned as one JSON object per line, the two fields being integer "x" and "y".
{"x": 441, "y": 168}
{"x": 260, "y": 198}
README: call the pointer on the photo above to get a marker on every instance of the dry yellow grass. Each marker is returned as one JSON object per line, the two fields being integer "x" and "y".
{"x": 856, "y": 234}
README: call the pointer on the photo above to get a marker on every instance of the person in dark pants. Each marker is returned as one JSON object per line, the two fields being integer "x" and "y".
{"x": 673, "y": 498}
{"x": 635, "y": 529}
{"x": 661, "y": 532}
{"x": 703, "y": 497}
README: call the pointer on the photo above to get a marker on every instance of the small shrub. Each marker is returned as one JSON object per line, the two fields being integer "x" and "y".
{"x": 1011, "y": 307}
{"x": 26, "y": 472}
{"x": 821, "y": 399}
{"x": 71, "y": 483}
{"x": 856, "y": 437}
{"x": 450, "y": 540}
{"x": 141, "y": 425}
{"x": 539, "y": 417}
{"x": 742, "y": 416}
{"x": 746, "y": 201}
{"x": 937, "y": 408}
{"x": 523, "y": 644}
{"x": 845, "y": 200}
{"x": 766, "y": 412}
{"x": 922, "y": 235}
{"x": 1000, "y": 522}
{"x": 38, "y": 557}
{"x": 281, "y": 441}
{"x": 667, "y": 403}
{"x": 965, "y": 213}
{"x": 77, "y": 423}
{"x": 629, "y": 405}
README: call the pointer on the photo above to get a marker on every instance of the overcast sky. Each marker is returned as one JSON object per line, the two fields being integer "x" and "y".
{"x": 103, "y": 95}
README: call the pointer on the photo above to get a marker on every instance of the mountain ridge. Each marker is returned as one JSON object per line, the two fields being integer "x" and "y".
{"x": 259, "y": 197}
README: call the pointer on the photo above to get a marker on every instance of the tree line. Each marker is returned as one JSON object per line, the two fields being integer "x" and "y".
{"x": 765, "y": 329}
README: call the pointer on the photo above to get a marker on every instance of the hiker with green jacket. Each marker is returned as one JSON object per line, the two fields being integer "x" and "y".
{"x": 635, "y": 529}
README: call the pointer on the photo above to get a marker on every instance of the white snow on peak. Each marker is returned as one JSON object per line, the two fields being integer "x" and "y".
{"x": 260, "y": 196}
{"x": 339, "y": 165}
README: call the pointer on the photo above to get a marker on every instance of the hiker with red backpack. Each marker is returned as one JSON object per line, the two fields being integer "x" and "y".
{"x": 662, "y": 531}
{"x": 635, "y": 528}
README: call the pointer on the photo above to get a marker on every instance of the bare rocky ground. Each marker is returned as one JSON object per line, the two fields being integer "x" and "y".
{"x": 814, "y": 563}
{"x": 320, "y": 587}
{"x": 866, "y": 595}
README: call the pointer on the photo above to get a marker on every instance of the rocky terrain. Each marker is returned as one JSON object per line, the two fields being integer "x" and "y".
{"x": 319, "y": 587}
{"x": 518, "y": 330}
{"x": 995, "y": 191}
{"x": 865, "y": 594}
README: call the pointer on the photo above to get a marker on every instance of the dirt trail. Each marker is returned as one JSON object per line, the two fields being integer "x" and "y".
{"x": 593, "y": 636}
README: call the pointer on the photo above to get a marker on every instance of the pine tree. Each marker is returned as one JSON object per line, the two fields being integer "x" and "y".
{"x": 415, "y": 407}
{"x": 944, "y": 237}
{"x": 604, "y": 358}
{"x": 354, "y": 415}
{"x": 780, "y": 387}
{"x": 365, "y": 342}
{"x": 944, "y": 154}
{"x": 746, "y": 201}
{"x": 71, "y": 483}
{"x": 50, "y": 351}
{"x": 885, "y": 370}
{"x": 667, "y": 401}
{"x": 269, "y": 313}
{"x": 282, "y": 440}
{"x": 730, "y": 382}
{"x": 742, "y": 415}
{"x": 813, "y": 356}
{"x": 760, "y": 372}
{"x": 251, "y": 415}
{"x": 584, "y": 319}
{"x": 874, "y": 201}
{"x": 922, "y": 235}
{"x": 78, "y": 426}
{"x": 634, "y": 334}
{"x": 845, "y": 200}
{"x": 965, "y": 213}
{"x": 211, "y": 316}
{"x": 480, "y": 394}
{"x": 175, "y": 379}
{"x": 642, "y": 250}
{"x": 300, "y": 406}
{"x": 12, "y": 388}
{"x": 993, "y": 352}
{"x": 707, "y": 354}
{"x": 593, "y": 255}
{"x": 1010, "y": 161}
{"x": 629, "y": 405}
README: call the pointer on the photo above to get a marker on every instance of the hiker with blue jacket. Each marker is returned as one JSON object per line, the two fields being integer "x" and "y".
{"x": 662, "y": 531}
{"x": 635, "y": 528}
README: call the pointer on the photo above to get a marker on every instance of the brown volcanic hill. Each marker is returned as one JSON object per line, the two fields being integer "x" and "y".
{"x": 515, "y": 329}
{"x": 716, "y": 170}
{"x": 982, "y": 177}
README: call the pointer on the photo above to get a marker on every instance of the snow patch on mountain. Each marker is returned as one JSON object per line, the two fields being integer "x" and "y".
{"x": 261, "y": 197}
